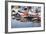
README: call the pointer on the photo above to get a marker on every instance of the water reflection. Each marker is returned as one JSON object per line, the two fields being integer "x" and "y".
{"x": 18, "y": 24}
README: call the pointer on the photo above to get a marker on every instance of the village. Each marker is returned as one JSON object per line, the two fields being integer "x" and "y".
{"x": 26, "y": 13}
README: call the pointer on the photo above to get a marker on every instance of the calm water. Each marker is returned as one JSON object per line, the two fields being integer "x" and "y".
{"x": 18, "y": 24}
